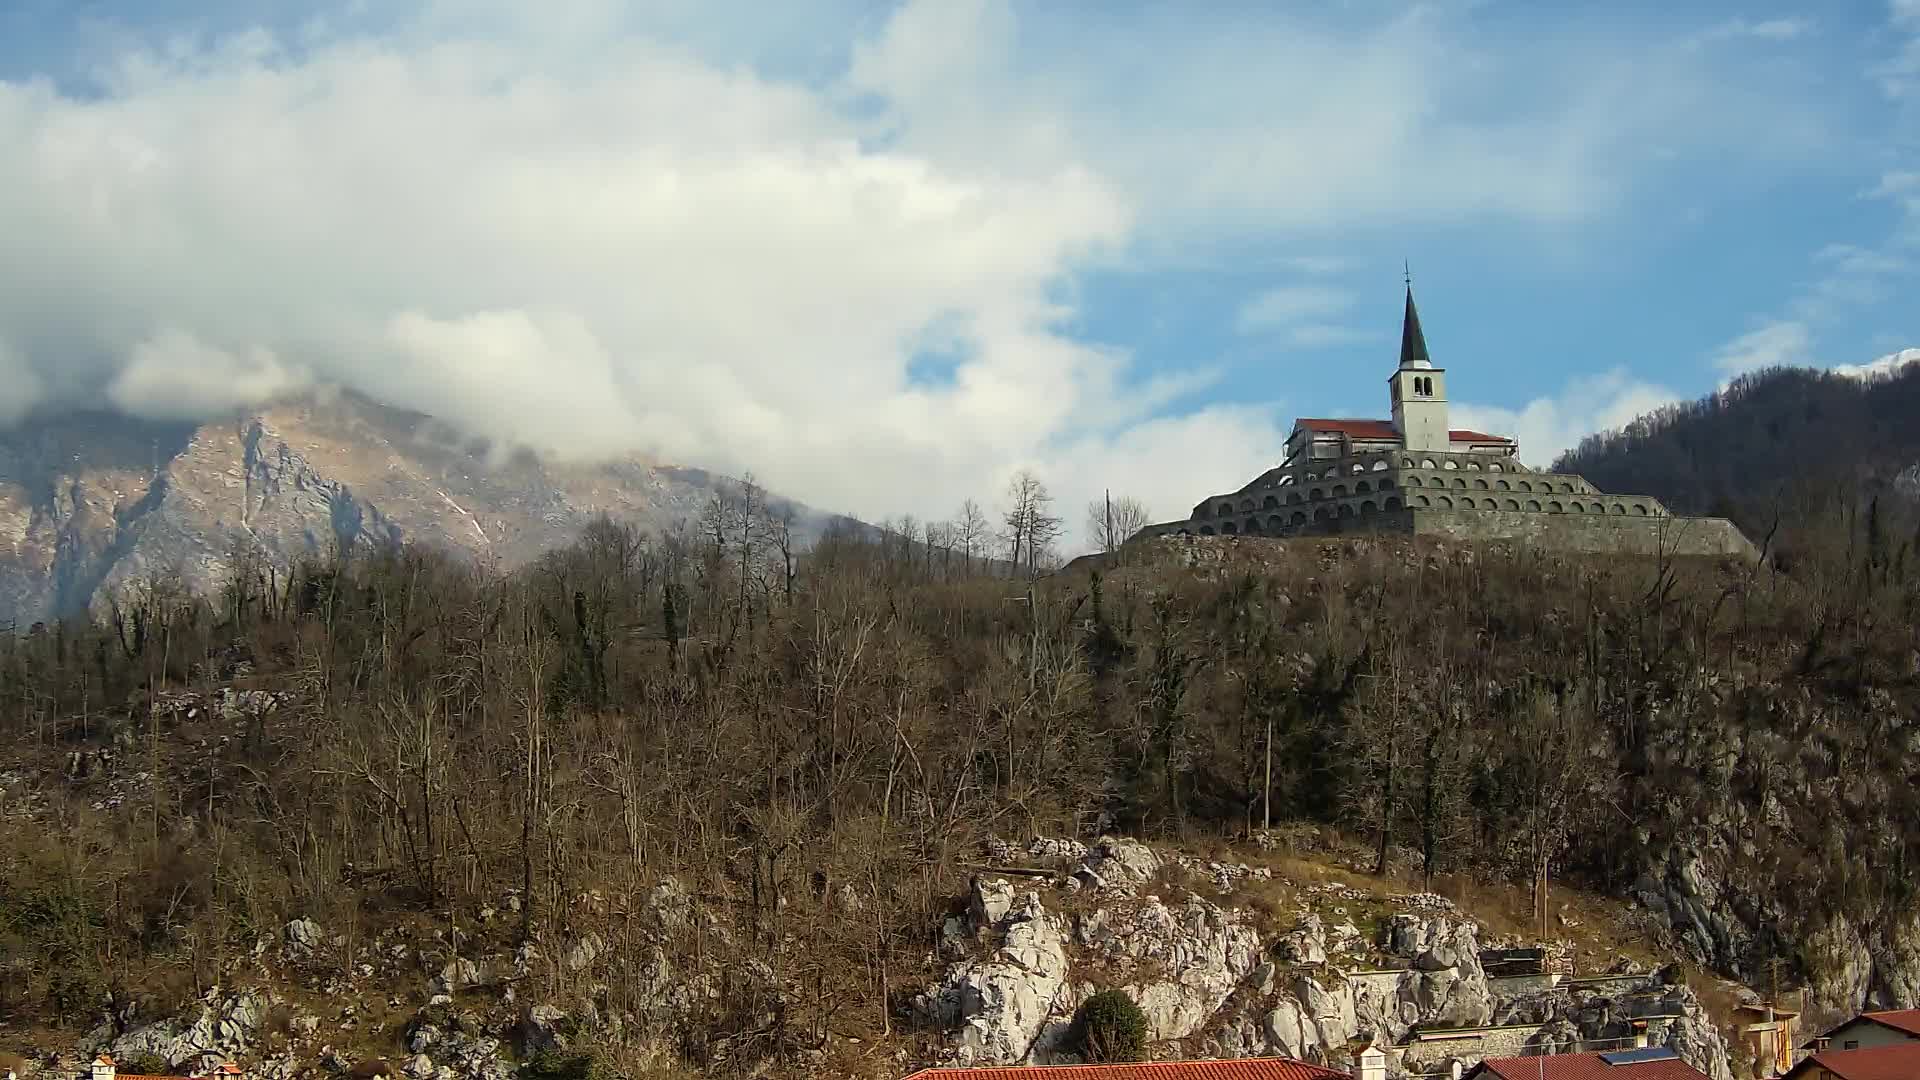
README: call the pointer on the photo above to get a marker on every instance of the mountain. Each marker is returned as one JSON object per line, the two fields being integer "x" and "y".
{"x": 1788, "y": 446}
{"x": 89, "y": 502}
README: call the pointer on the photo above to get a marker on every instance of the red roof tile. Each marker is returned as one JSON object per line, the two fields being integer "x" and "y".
{"x": 1240, "y": 1069}
{"x": 1899, "y": 1061}
{"x": 1353, "y": 429}
{"x": 1907, "y": 1020}
{"x": 1384, "y": 429}
{"x": 1585, "y": 1067}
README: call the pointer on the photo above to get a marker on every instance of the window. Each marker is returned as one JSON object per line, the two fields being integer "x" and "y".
{"x": 1851, "y": 1044}
{"x": 1362, "y": 488}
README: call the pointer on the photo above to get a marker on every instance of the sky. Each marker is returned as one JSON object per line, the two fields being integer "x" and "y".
{"x": 883, "y": 255}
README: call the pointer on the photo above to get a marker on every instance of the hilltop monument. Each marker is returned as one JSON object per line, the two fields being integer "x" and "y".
{"x": 1415, "y": 473}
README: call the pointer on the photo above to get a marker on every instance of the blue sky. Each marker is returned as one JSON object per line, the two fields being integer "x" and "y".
{"x": 883, "y": 254}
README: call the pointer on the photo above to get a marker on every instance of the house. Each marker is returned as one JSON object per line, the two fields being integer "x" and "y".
{"x": 1887, "y": 1061}
{"x": 1644, "y": 1063}
{"x": 104, "y": 1068}
{"x": 1872, "y": 1029}
{"x": 1370, "y": 1065}
{"x": 1767, "y": 1031}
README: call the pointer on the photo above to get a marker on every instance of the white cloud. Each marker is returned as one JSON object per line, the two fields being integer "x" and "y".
{"x": 1782, "y": 29}
{"x": 1302, "y": 316}
{"x": 1319, "y": 265}
{"x": 1289, "y": 305}
{"x": 175, "y": 375}
{"x": 20, "y": 385}
{"x": 1776, "y": 344}
{"x": 1902, "y": 189}
{"x": 558, "y": 227}
{"x": 1886, "y": 365}
{"x": 1549, "y": 426}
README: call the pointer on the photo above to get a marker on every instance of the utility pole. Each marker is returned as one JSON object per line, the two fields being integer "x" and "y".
{"x": 1266, "y": 800}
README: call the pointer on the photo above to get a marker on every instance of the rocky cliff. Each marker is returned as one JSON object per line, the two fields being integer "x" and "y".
{"x": 1190, "y": 940}
{"x": 89, "y": 503}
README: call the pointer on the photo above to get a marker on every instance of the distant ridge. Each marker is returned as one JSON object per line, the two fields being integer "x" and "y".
{"x": 90, "y": 501}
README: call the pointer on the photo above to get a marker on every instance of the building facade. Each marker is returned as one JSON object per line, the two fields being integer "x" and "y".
{"x": 1415, "y": 473}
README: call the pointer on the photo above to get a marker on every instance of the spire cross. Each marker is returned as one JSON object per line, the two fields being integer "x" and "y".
{"x": 1409, "y": 274}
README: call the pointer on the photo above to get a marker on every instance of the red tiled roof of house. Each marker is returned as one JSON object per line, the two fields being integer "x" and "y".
{"x": 1239, "y": 1069}
{"x": 1353, "y": 429}
{"x": 1384, "y": 429}
{"x": 1585, "y": 1067}
{"x": 1907, "y": 1020}
{"x": 1898, "y": 1061}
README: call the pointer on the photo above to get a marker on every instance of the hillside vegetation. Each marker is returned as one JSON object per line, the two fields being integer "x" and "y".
{"x": 1785, "y": 453}
{"x": 818, "y": 747}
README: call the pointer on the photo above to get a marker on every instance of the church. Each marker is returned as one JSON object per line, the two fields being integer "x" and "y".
{"x": 1416, "y": 473}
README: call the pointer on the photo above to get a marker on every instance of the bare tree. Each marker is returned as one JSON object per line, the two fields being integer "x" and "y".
{"x": 1111, "y": 521}
{"x": 1030, "y": 527}
{"x": 971, "y": 531}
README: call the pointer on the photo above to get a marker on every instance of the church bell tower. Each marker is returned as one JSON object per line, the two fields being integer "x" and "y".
{"x": 1419, "y": 390}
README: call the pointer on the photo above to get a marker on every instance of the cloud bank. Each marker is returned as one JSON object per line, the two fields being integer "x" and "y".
{"x": 594, "y": 236}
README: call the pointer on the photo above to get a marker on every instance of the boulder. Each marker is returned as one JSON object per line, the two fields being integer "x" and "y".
{"x": 1118, "y": 864}
{"x": 543, "y": 1027}
{"x": 302, "y": 937}
{"x": 585, "y": 952}
{"x": 1199, "y": 955}
{"x": 1001, "y": 1010}
{"x": 1306, "y": 943}
{"x": 992, "y": 899}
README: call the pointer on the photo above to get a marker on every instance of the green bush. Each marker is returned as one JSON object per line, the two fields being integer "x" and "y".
{"x": 560, "y": 1065}
{"x": 1112, "y": 1028}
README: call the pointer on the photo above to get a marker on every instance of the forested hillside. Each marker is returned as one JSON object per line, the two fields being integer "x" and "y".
{"x": 1783, "y": 452}
{"x": 816, "y": 750}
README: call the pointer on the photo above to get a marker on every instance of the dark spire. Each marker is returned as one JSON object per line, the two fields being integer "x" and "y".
{"x": 1413, "y": 344}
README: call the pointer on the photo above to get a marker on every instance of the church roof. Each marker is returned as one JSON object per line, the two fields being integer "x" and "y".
{"x": 1384, "y": 429}
{"x": 1413, "y": 343}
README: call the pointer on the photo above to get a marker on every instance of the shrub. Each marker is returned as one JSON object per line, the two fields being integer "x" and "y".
{"x": 1112, "y": 1028}
{"x": 560, "y": 1065}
